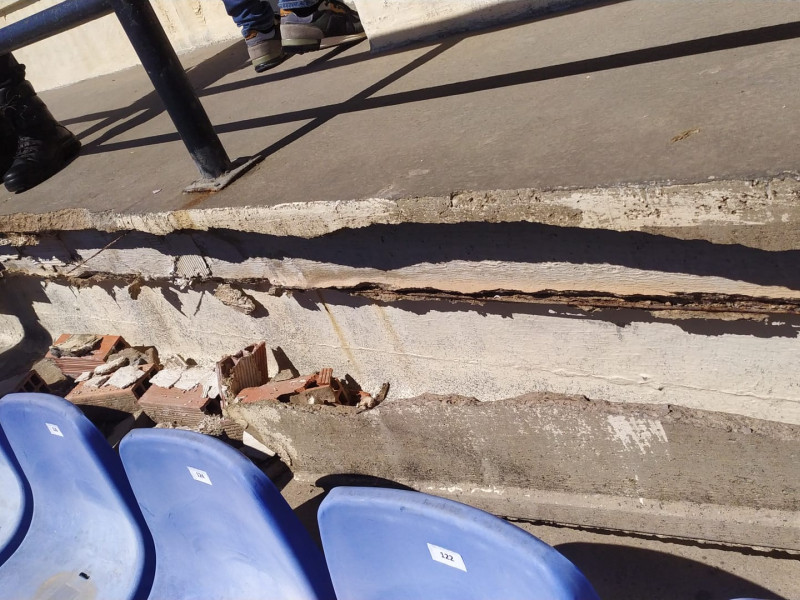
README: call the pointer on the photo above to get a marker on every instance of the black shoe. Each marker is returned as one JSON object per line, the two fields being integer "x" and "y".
{"x": 327, "y": 24}
{"x": 38, "y": 159}
{"x": 43, "y": 146}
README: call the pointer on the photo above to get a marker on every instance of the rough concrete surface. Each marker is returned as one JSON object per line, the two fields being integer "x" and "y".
{"x": 479, "y": 259}
{"x": 490, "y": 351}
{"x": 390, "y": 24}
{"x": 636, "y": 91}
{"x": 521, "y": 455}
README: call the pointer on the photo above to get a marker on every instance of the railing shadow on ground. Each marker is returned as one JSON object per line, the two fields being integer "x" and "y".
{"x": 218, "y": 66}
{"x": 234, "y": 58}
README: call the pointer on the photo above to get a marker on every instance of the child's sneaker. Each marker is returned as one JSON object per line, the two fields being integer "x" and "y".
{"x": 326, "y": 24}
{"x": 264, "y": 48}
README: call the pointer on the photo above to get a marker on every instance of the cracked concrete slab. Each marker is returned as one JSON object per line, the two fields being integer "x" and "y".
{"x": 757, "y": 214}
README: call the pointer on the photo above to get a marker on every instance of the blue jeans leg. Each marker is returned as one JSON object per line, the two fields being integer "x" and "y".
{"x": 250, "y": 14}
{"x": 292, "y": 4}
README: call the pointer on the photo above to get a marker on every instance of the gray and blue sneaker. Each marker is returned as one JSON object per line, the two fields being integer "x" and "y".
{"x": 264, "y": 48}
{"x": 327, "y": 23}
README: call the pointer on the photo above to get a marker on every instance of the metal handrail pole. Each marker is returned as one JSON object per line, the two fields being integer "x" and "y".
{"x": 171, "y": 83}
{"x": 50, "y": 21}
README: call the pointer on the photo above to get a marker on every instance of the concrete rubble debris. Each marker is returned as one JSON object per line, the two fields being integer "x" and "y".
{"x": 137, "y": 356}
{"x": 235, "y": 298}
{"x": 54, "y": 379}
{"x": 72, "y": 365}
{"x": 85, "y": 376}
{"x": 96, "y": 381}
{"x": 124, "y": 377}
{"x": 166, "y": 378}
{"x": 367, "y": 401}
{"x": 111, "y": 366}
{"x": 176, "y": 361}
{"x": 76, "y": 345}
{"x": 210, "y": 425}
{"x": 113, "y": 387}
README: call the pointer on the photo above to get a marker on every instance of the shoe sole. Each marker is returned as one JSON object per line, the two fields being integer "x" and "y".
{"x": 266, "y": 63}
{"x": 300, "y": 45}
{"x": 69, "y": 151}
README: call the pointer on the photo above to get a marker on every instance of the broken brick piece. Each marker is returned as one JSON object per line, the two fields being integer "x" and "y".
{"x": 245, "y": 369}
{"x": 75, "y": 365}
{"x": 275, "y": 389}
{"x": 324, "y": 394}
{"x": 179, "y": 407}
{"x": 324, "y": 376}
{"x": 110, "y": 397}
{"x": 32, "y": 382}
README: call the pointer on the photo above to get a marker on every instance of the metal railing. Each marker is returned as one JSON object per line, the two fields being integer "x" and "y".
{"x": 158, "y": 57}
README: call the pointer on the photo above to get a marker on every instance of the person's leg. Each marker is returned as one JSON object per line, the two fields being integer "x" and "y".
{"x": 313, "y": 24}
{"x": 44, "y": 146}
{"x": 251, "y": 15}
{"x": 256, "y": 19}
{"x": 10, "y": 71}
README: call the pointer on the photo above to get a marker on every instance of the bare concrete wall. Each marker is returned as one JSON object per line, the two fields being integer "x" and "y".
{"x": 392, "y": 23}
{"x": 490, "y": 351}
{"x": 101, "y": 46}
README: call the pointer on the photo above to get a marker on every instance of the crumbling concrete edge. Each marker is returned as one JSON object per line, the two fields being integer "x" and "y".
{"x": 757, "y": 213}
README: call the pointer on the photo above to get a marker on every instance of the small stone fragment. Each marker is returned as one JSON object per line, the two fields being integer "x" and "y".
{"x": 177, "y": 361}
{"x": 111, "y": 366}
{"x": 85, "y": 376}
{"x": 235, "y": 298}
{"x": 191, "y": 378}
{"x": 49, "y": 372}
{"x": 97, "y": 381}
{"x": 166, "y": 378}
{"x": 124, "y": 377}
{"x": 76, "y": 345}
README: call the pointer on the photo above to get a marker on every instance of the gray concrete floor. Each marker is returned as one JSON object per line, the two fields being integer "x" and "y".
{"x": 625, "y": 567}
{"x": 629, "y": 91}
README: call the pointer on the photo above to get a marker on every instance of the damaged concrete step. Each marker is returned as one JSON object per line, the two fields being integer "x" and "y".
{"x": 659, "y": 470}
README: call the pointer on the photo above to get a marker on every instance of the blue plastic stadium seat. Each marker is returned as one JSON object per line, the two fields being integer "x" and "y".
{"x": 384, "y": 544}
{"x": 86, "y": 536}
{"x": 15, "y": 502}
{"x": 221, "y": 528}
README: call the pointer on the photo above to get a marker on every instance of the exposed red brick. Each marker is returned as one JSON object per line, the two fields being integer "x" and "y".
{"x": 177, "y": 406}
{"x": 274, "y": 390}
{"x": 124, "y": 400}
{"x": 245, "y": 369}
{"x": 75, "y": 365}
